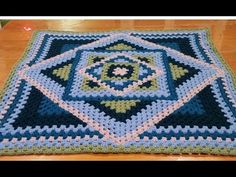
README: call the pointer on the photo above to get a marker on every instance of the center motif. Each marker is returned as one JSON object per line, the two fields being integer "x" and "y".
{"x": 120, "y": 72}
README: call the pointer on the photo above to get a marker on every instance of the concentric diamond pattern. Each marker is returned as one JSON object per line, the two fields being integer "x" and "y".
{"x": 121, "y": 93}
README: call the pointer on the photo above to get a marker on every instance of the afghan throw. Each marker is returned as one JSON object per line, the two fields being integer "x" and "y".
{"x": 119, "y": 92}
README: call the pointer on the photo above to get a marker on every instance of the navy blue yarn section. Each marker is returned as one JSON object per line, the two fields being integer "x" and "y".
{"x": 213, "y": 116}
{"x": 183, "y": 44}
{"x": 124, "y": 42}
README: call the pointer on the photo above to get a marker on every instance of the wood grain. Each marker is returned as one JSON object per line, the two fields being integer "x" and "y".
{"x": 15, "y": 35}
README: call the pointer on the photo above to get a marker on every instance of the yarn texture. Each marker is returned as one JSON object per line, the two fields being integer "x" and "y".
{"x": 119, "y": 92}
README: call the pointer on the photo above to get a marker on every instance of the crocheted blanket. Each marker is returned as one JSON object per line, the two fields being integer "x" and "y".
{"x": 119, "y": 91}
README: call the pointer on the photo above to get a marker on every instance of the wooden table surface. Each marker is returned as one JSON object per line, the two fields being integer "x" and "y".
{"x": 16, "y": 34}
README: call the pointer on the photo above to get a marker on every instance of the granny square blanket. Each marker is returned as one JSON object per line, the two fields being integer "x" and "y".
{"x": 119, "y": 92}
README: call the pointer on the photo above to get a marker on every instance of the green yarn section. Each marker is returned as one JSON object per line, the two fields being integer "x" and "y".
{"x": 120, "y": 106}
{"x": 91, "y": 58}
{"x": 177, "y": 71}
{"x": 63, "y": 73}
{"x": 120, "y": 46}
{"x": 119, "y": 149}
{"x": 85, "y": 86}
{"x": 154, "y": 86}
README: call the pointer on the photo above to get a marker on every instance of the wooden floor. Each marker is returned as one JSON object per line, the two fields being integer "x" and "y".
{"x": 16, "y": 34}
